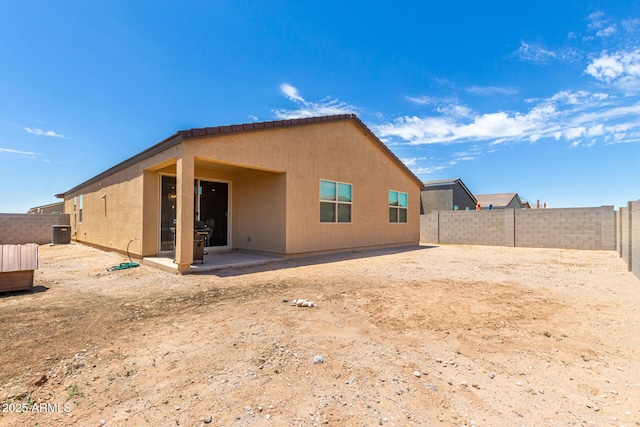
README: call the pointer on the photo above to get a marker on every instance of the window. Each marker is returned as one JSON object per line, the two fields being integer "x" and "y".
{"x": 335, "y": 201}
{"x": 398, "y": 203}
{"x": 80, "y": 210}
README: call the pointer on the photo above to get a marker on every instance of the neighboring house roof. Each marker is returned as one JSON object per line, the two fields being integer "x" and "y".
{"x": 50, "y": 206}
{"x": 498, "y": 199}
{"x": 451, "y": 181}
{"x": 183, "y": 135}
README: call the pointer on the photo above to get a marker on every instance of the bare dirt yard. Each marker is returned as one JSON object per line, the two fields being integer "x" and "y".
{"x": 449, "y": 335}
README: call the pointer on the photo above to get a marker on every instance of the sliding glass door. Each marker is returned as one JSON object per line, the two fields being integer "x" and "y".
{"x": 211, "y": 206}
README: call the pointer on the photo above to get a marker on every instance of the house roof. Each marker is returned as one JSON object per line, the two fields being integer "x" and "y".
{"x": 50, "y": 205}
{"x": 451, "y": 181}
{"x": 498, "y": 199}
{"x": 207, "y": 132}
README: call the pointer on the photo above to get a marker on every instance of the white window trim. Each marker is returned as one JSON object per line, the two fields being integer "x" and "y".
{"x": 406, "y": 208}
{"x": 80, "y": 207}
{"x": 336, "y": 202}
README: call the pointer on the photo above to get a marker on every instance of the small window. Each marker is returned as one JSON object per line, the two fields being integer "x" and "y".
{"x": 335, "y": 201}
{"x": 398, "y": 203}
{"x": 80, "y": 209}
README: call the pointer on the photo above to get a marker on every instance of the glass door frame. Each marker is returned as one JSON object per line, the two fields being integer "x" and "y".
{"x": 159, "y": 230}
{"x": 196, "y": 201}
{"x": 196, "y": 197}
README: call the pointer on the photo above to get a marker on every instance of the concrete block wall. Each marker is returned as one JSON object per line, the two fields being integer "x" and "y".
{"x": 608, "y": 228}
{"x": 635, "y": 238}
{"x": 571, "y": 228}
{"x": 618, "y": 231}
{"x": 625, "y": 242}
{"x": 25, "y": 228}
{"x": 575, "y": 228}
{"x": 429, "y": 227}
{"x": 472, "y": 227}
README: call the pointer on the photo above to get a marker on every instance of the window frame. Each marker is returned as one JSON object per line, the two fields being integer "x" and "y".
{"x": 336, "y": 202}
{"x": 80, "y": 200}
{"x": 398, "y": 208}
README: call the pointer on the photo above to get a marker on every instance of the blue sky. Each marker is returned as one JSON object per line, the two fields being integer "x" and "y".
{"x": 540, "y": 98}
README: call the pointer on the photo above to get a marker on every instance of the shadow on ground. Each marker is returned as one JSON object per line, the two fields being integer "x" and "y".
{"x": 311, "y": 260}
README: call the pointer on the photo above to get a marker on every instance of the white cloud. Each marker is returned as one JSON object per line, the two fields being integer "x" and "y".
{"x": 43, "y": 133}
{"x": 291, "y": 92}
{"x": 534, "y": 53}
{"x": 422, "y": 100}
{"x": 491, "y": 90}
{"x": 427, "y": 169}
{"x": 621, "y": 69}
{"x": 567, "y": 115}
{"x": 324, "y": 107}
{"x": 23, "y": 153}
{"x": 412, "y": 161}
{"x": 601, "y": 24}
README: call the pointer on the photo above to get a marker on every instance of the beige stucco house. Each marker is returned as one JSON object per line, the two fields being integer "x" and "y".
{"x": 290, "y": 187}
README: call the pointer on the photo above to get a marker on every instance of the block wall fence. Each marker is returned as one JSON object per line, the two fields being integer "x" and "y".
{"x": 597, "y": 228}
{"x": 29, "y": 228}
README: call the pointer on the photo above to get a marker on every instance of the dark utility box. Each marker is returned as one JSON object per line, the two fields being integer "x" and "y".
{"x": 60, "y": 234}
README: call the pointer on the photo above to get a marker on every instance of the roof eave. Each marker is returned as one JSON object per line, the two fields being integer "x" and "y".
{"x": 173, "y": 140}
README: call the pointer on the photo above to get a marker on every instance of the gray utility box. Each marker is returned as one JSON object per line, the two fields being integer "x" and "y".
{"x": 60, "y": 234}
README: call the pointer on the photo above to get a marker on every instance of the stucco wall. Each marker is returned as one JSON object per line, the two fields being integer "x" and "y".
{"x": 274, "y": 176}
{"x": 259, "y": 211}
{"x": 575, "y": 228}
{"x": 114, "y": 208}
{"x": 337, "y": 151}
{"x": 28, "y": 228}
{"x": 462, "y": 199}
{"x": 440, "y": 199}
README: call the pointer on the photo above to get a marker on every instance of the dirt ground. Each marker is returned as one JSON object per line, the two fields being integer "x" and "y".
{"x": 449, "y": 335}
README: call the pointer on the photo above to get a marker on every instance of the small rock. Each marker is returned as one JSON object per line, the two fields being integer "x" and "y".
{"x": 207, "y": 420}
{"x": 285, "y": 300}
{"x": 438, "y": 360}
{"x": 42, "y": 381}
{"x": 103, "y": 423}
{"x": 247, "y": 408}
{"x": 268, "y": 416}
{"x": 492, "y": 376}
{"x": 614, "y": 392}
{"x": 463, "y": 383}
{"x": 519, "y": 384}
{"x": 416, "y": 374}
{"x": 318, "y": 359}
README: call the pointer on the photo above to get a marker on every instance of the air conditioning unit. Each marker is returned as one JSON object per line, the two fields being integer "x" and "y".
{"x": 60, "y": 234}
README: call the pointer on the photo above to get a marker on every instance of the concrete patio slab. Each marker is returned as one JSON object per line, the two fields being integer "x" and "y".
{"x": 213, "y": 261}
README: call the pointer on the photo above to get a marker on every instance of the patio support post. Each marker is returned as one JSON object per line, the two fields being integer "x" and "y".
{"x": 184, "y": 211}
